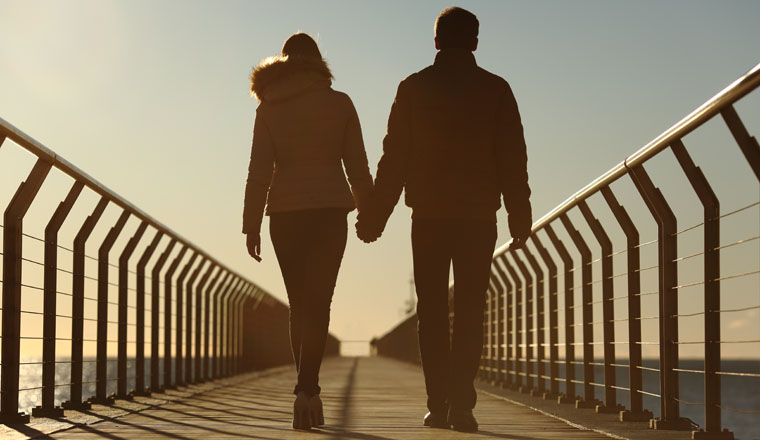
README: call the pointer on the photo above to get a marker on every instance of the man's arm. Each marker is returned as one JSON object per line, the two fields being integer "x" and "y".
{"x": 392, "y": 168}
{"x": 513, "y": 166}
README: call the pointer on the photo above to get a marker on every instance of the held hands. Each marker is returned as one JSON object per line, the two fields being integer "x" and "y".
{"x": 253, "y": 241}
{"x": 368, "y": 228}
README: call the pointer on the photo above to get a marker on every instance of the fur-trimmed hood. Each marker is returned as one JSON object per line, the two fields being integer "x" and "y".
{"x": 282, "y": 77}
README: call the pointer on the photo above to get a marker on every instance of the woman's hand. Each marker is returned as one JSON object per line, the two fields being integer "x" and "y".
{"x": 253, "y": 241}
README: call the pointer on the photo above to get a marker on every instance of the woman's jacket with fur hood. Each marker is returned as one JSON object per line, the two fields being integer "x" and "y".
{"x": 304, "y": 134}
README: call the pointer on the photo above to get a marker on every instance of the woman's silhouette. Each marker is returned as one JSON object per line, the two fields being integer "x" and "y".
{"x": 304, "y": 134}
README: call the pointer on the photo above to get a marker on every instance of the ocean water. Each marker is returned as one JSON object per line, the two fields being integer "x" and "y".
{"x": 741, "y": 393}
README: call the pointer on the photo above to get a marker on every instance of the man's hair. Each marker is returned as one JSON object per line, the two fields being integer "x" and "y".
{"x": 301, "y": 45}
{"x": 456, "y": 28}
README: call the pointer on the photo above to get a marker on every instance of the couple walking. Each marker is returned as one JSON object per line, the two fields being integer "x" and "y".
{"x": 454, "y": 143}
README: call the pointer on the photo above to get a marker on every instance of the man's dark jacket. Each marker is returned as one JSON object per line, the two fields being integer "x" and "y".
{"x": 455, "y": 142}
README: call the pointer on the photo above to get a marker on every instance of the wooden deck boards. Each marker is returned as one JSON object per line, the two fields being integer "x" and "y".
{"x": 365, "y": 399}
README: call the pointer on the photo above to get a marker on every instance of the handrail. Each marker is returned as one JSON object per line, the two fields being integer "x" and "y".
{"x": 730, "y": 94}
{"x": 33, "y": 146}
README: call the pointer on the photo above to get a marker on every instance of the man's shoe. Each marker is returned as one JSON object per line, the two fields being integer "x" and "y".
{"x": 462, "y": 420}
{"x": 436, "y": 420}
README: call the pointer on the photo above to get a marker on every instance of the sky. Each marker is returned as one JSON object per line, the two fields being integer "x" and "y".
{"x": 151, "y": 98}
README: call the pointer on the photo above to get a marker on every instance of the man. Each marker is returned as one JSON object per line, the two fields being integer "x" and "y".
{"x": 455, "y": 143}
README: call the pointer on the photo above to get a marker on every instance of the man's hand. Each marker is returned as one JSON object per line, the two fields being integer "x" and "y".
{"x": 253, "y": 241}
{"x": 517, "y": 243}
{"x": 367, "y": 228}
{"x": 520, "y": 229}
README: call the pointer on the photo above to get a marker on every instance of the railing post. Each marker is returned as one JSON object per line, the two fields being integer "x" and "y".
{"x": 224, "y": 324}
{"x": 527, "y": 299}
{"x": 221, "y": 291}
{"x": 668, "y": 294}
{"x": 77, "y": 307}
{"x": 140, "y": 388}
{"x": 748, "y": 144}
{"x": 540, "y": 330}
{"x": 178, "y": 359}
{"x": 121, "y": 381}
{"x": 553, "y": 392}
{"x": 637, "y": 412}
{"x": 170, "y": 383}
{"x": 711, "y": 213}
{"x": 154, "y": 315}
{"x": 589, "y": 399}
{"x": 189, "y": 376}
{"x": 12, "y": 254}
{"x": 213, "y": 288}
{"x": 101, "y": 372}
{"x": 498, "y": 363}
{"x": 487, "y": 347}
{"x": 237, "y": 328}
{"x": 567, "y": 263}
{"x": 507, "y": 381}
{"x": 517, "y": 318}
{"x": 197, "y": 371}
{"x": 608, "y": 311}
{"x": 228, "y": 337}
{"x": 48, "y": 408}
{"x": 237, "y": 350}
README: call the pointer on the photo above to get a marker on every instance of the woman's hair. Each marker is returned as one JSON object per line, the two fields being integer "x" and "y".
{"x": 301, "y": 45}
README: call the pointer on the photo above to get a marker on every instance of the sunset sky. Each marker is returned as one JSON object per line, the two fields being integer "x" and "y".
{"x": 151, "y": 98}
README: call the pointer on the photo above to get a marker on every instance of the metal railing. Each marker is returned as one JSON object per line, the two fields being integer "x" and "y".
{"x": 217, "y": 332}
{"x": 522, "y": 350}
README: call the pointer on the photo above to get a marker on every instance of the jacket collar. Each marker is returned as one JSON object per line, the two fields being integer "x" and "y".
{"x": 281, "y": 77}
{"x": 455, "y": 58}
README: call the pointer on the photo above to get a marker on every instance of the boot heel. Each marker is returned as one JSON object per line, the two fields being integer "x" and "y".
{"x": 301, "y": 412}
{"x": 316, "y": 411}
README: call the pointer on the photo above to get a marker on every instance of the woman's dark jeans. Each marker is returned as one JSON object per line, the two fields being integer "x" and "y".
{"x": 309, "y": 245}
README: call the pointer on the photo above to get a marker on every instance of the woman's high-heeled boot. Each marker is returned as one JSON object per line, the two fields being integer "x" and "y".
{"x": 301, "y": 412}
{"x": 315, "y": 409}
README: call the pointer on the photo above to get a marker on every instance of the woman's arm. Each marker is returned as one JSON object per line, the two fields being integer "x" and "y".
{"x": 260, "y": 172}
{"x": 355, "y": 160}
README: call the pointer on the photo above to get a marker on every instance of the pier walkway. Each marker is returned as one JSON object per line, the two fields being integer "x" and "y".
{"x": 365, "y": 399}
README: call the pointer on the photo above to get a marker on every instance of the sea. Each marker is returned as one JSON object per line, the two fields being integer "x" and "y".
{"x": 739, "y": 393}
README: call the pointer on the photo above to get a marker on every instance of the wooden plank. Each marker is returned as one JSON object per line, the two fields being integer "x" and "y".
{"x": 364, "y": 398}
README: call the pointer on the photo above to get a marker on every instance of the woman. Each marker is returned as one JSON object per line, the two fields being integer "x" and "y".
{"x": 304, "y": 133}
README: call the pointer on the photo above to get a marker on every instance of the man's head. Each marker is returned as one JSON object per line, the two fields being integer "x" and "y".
{"x": 456, "y": 28}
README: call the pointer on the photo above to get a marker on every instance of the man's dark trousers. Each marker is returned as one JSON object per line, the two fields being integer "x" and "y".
{"x": 450, "y": 360}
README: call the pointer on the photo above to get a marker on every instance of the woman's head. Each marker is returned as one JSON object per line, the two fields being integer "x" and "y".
{"x": 301, "y": 45}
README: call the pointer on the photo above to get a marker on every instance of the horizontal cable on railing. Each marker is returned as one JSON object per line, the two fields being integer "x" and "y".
{"x": 648, "y": 393}
{"x": 738, "y": 210}
{"x": 732, "y": 373}
{"x": 645, "y": 244}
{"x": 728, "y": 277}
{"x": 736, "y": 243}
{"x": 738, "y": 411}
{"x": 687, "y": 229}
{"x": 647, "y": 293}
{"x": 688, "y": 257}
{"x": 683, "y": 370}
{"x": 644, "y": 269}
{"x": 743, "y": 309}
{"x": 686, "y": 402}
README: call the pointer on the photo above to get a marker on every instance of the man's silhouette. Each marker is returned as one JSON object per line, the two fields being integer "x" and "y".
{"x": 455, "y": 143}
